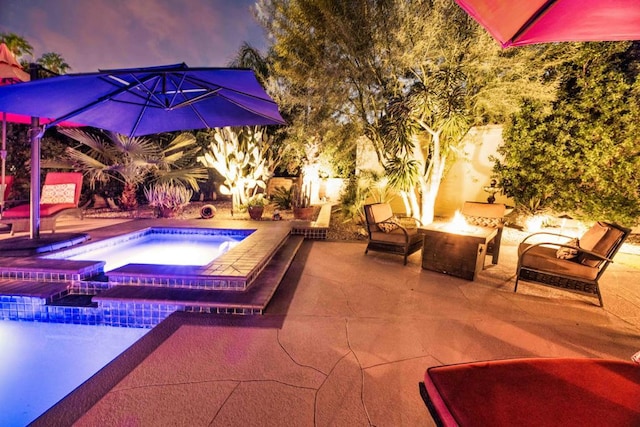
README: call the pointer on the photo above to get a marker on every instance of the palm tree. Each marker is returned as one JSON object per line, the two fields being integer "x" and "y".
{"x": 133, "y": 161}
{"x": 53, "y": 62}
{"x": 249, "y": 57}
{"x": 16, "y": 44}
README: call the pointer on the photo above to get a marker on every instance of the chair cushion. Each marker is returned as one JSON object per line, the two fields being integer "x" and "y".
{"x": 543, "y": 258}
{"x": 58, "y": 193}
{"x": 600, "y": 239}
{"x": 396, "y": 236}
{"x": 381, "y": 212}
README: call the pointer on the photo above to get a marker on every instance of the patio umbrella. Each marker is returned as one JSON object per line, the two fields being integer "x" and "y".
{"x": 142, "y": 101}
{"x": 522, "y": 22}
{"x": 10, "y": 72}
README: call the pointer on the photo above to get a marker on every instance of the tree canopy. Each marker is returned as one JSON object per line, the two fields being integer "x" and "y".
{"x": 411, "y": 76}
{"x": 580, "y": 154}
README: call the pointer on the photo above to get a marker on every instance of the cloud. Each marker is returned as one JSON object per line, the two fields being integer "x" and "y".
{"x": 134, "y": 33}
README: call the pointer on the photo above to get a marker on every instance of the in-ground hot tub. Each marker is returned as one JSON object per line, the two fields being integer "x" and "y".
{"x": 228, "y": 259}
{"x": 159, "y": 246}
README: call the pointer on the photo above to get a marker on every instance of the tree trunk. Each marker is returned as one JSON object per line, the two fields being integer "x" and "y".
{"x": 128, "y": 200}
{"x": 432, "y": 179}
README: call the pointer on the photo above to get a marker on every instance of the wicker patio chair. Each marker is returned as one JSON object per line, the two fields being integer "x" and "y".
{"x": 390, "y": 234}
{"x": 487, "y": 215}
{"x": 574, "y": 266}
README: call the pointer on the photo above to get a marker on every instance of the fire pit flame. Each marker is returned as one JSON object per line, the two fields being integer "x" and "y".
{"x": 459, "y": 225}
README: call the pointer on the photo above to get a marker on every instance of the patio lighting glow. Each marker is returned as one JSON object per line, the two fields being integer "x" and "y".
{"x": 534, "y": 224}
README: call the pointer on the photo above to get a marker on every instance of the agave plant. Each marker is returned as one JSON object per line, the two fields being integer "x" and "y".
{"x": 168, "y": 198}
{"x": 132, "y": 161}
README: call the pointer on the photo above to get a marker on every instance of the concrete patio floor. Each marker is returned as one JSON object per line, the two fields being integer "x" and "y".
{"x": 345, "y": 342}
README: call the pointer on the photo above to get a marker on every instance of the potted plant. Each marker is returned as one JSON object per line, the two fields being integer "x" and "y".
{"x": 255, "y": 206}
{"x": 168, "y": 199}
{"x": 301, "y": 203}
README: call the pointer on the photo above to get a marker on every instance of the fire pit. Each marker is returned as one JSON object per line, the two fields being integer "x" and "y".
{"x": 455, "y": 248}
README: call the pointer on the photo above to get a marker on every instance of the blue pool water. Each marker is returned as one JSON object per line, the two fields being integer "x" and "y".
{"x": 40, "y": 363}
{"x": 160, "y": 246}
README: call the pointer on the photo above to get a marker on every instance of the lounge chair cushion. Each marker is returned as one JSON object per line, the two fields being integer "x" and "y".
{"x": 544, "y": 258}
{"x": 536, "y": 392}
{"x": 58, "y": 193}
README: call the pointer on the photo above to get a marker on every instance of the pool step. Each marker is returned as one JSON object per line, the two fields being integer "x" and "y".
{"x": 122, "y": 303}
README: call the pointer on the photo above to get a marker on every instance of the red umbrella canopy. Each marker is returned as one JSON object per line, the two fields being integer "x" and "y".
{"x": 522, "y": 22}
{"x": 10, "y": 69}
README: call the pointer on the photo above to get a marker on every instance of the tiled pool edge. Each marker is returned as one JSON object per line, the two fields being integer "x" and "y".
{"x": 268, "y": 238}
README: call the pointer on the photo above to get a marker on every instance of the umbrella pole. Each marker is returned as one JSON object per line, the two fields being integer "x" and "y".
{"x": 34, "y": 226}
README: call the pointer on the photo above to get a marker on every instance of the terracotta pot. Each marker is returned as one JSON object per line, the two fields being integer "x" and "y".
{"x": 207, "y": 211}
{"x": 255, "y": 212}
{"x": 304, "y": 213}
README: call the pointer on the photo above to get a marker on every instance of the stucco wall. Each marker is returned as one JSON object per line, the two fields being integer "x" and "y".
{"x": 470, "y": 172}
{"x": 465, "y": 177}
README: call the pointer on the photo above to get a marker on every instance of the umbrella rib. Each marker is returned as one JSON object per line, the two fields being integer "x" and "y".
{"x": 534, "y": 17}
{"x": 190, "y": 101}
{"x": 254, "y": 111}
{"x": 145, "y": 106}
{"x": 91, "y": 104}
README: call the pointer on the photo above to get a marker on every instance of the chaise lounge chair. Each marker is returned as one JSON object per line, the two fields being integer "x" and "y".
{"x": 60, "y": 196}
{"x": 574, "y": 266}
{"x": 388, "y": 234}
{"x": 534, "y": 392}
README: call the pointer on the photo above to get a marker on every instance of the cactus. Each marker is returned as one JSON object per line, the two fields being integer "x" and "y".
{"x": 300, "y": 196}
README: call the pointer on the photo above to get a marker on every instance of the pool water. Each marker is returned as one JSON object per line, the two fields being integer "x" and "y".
{"x": 40, "y": 363}
{"x": 160, "y": 249}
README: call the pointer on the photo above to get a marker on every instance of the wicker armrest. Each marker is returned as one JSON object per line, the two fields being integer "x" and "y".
{"x": 411, "y": 221}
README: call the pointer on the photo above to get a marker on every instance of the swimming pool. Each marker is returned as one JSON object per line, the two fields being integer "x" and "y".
{"x": 158, "y": 246}
{"x": 40, "y": 363}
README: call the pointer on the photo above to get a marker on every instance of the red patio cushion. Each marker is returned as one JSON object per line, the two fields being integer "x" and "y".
{"x": 23, "y": 211}
{"x": 536, "y": 392}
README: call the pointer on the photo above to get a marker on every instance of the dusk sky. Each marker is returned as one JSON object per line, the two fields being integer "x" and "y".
{"x": 134, "y": 33}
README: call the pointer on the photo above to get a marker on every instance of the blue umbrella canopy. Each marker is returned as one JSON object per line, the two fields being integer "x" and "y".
{"x": 143, "y": 101}
{"x": 139, "y": 101}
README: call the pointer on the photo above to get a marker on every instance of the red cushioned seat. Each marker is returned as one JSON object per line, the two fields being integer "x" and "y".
{"x": 60, "y": 196}
{"x": 535, "y": 392}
